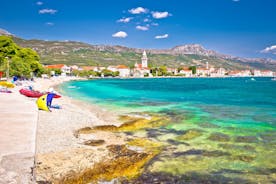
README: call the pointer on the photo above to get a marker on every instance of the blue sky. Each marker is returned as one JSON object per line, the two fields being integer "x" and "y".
{"x": 244, "y": 28}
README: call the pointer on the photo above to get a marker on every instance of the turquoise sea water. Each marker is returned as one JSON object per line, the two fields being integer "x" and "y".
{"x": 229, "y": 123}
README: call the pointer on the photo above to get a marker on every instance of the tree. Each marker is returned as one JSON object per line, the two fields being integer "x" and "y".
{"x": 193, "y": 68}
{"x": 22, "y": 61}
{"x": 163, "y": 70}
{"x": 107, "y": 72}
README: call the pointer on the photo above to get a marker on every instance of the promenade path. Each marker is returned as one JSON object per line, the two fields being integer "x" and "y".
{"x": 18, "y": 122}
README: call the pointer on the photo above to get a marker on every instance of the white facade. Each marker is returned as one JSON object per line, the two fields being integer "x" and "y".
{"x": 187, "y": 73}
{"x": 112, "y": 68}
{"x": 124, "y": 72}
{"x": 202, "y": 72}
{"x": 144, "y": 60}
{"x": 66, "y": 69}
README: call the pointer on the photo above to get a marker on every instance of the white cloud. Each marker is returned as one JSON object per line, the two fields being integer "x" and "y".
{"x": 271, "y": 49}
{"x": 142, "y": 28}
{"x": 154, "y": 24}
{"x": 160, "y": 15}
{"x": 146, "y": 20}
{"x": 125, "y": 20}
{"x": 161, "y": 36}
{"x": 50, "y": 11}
{"x": 138, "y": 10}
{"x": 120, "y": 34}
{"x": 49, "y": 24}
{"x": 39, "y": 3}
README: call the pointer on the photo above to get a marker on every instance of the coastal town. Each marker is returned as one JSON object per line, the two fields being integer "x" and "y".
{"x": 142, "y": 69}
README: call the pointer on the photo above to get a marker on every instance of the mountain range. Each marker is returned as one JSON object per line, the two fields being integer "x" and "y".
{"x": 78, "y": 53}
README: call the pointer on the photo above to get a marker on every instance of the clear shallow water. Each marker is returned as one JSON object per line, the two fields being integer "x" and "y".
{"x": 229, "y": 123}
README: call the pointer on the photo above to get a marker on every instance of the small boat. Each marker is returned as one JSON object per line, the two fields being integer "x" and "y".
{"x": 7, "y": 84}
{"x": 34, "y": 94}
{"x": 253, "y": 79}
{"x": 274, "y": 79}
{"x": 31, "y": 93}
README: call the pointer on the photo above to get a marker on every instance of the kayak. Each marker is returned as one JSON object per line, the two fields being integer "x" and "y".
{"x": 34, "y": 94}
{"x": 31, "y": 93}
{"x": 7, "y": 84}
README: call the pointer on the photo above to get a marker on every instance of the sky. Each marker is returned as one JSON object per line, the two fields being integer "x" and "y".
{"x": 245, "y": 28}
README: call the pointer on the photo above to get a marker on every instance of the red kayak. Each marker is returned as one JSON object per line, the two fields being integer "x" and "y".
{"x": 31, "y": 93}
{"x": 34, "y": 94}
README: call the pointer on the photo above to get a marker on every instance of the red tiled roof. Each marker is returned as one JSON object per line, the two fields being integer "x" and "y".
{"x": 202, "y": 69}
{"x": 57, "y": 66}
{"x": 122, "y": 67}
{"x": 186, "y": 70}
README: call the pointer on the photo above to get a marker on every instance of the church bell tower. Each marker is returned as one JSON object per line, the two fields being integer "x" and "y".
{"x": 144, "y": 60}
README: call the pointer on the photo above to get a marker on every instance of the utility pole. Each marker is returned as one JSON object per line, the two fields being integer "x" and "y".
{"x": 8, "y": 68}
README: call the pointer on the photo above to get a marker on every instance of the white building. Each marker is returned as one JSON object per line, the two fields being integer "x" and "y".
{"x": 202, "y": 72}
{"x": 186, "y": 72}
{"x": 123, "y": 70}
{"x": 112, "y": 68}
{"x": 220, "y": 72}
{"x": 267, "y": 73}
{"x": 141, "y": 70}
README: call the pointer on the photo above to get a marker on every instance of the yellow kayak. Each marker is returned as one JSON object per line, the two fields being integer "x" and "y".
{"x": 7, "y": 84}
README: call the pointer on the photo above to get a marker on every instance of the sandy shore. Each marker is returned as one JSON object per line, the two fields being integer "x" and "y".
{"x": 59, "y": 150}
{"x": 56, "y": 129}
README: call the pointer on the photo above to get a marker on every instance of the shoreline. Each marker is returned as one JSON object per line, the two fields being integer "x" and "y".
{"x": 63, "y": 149}
{"x": 74, "y": 114}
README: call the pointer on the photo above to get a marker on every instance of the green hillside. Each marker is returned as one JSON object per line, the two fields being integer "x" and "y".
{"x": 70, "y": 53}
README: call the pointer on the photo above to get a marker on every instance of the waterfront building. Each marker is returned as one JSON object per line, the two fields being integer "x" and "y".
{"x": 141, "y": 70}
{"x": 123, "y": 70}
{"x": 187, "y": 72}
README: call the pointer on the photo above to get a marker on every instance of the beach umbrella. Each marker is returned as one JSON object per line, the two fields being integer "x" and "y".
{"x": 44, "y": 102}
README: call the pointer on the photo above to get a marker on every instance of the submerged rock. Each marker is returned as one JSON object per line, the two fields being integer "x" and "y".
{"x": 244, "y": 158}
{"x": 246, "y": 139}
{"x": 208, "y": 125}
{"x": 86, "y": 165}
{"x": 220, "y": 137}
{"x": 215, "y": 153}
{"x": 85, "y": 130}
{"x": 105, "y": 128}
{"x": 187, "y": 178}
{"x": 94, "y": 142}
{"x": 134, "y": 123}
{"x": 237, "y": 147}
{"x": 190, "y": 134}
{"x": 268, "y": 137}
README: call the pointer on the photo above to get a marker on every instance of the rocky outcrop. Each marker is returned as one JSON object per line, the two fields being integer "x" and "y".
{"x": 88, "y": 165}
